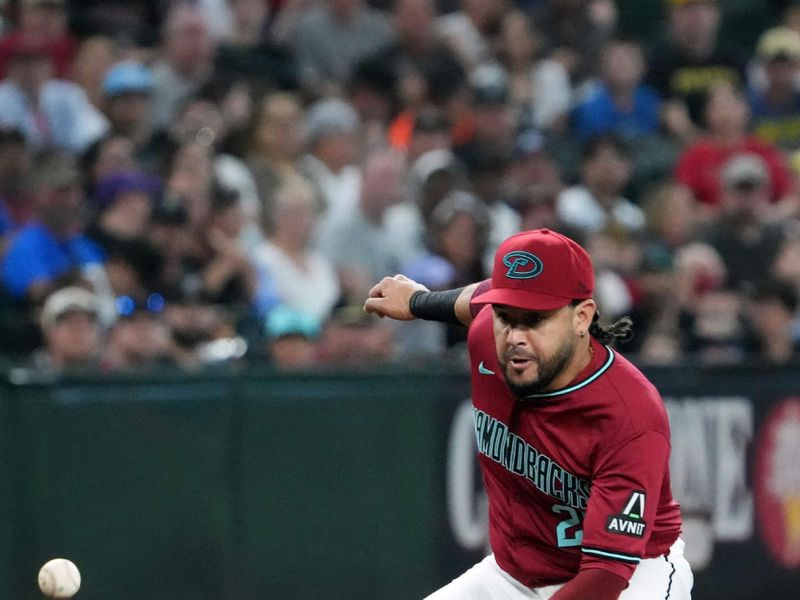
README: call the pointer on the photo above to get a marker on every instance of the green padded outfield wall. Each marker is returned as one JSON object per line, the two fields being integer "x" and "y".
{"x": 223, "y": 487}
{"x": 130, "y": 480}
{"x": 267, "y": 486}
{"x": 337, "y": 498}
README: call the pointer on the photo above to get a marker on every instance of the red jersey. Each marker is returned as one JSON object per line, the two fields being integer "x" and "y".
{"x": 577, "y": 477}
{"x": 62, "y": 51}
{"x": 699, "y": 168}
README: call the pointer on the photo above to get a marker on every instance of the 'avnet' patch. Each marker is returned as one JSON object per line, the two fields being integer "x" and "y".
{"x": 630, "y": 521}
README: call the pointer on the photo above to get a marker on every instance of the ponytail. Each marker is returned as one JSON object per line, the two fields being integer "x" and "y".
{"x": 619, "y": 331}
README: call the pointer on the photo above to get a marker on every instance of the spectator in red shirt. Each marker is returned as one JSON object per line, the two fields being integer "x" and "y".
{"x": 45, "y": 19}
{"x": 727, "y": 118}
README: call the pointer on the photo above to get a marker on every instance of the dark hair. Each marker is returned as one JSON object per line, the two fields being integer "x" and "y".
{"x": 595, "y": 144}
{"x": 91, "y": 154}
{"x": 444, "y": 76}
{"x": 430, "y": 119}
{"x": 620, "y": 330}
{"x": 223, "y": 198}
{"x": 11, "y": 135}
{"x": 779, "y": 291}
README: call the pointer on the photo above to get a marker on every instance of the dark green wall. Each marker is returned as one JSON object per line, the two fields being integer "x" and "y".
{"x": 263, "y": 486}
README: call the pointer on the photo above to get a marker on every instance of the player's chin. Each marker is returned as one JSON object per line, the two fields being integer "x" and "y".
{"x": 522, "y": 374}
{"x": 522, "y": 386}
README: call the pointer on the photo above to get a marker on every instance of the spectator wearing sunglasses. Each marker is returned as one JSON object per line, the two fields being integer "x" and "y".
{"x": 140, "y": 338}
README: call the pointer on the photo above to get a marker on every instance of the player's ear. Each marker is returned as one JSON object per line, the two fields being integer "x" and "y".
{"x": 582, "y": 315}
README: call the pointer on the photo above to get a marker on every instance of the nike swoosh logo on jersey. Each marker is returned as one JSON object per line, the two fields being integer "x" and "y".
{"x": 483, "y": 370}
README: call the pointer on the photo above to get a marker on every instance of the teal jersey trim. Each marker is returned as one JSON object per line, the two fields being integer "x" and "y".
{"x": 583, "y": 383}
{"x": 629, "y": 558}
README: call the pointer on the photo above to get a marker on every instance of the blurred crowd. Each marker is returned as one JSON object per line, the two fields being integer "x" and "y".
{"x": 200, "y": 182}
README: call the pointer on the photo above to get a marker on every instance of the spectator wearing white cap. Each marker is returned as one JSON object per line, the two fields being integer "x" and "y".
{"x": 71, "y": 330}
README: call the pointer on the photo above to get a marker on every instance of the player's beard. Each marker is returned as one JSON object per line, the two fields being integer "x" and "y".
{"x": 547, "y": 371}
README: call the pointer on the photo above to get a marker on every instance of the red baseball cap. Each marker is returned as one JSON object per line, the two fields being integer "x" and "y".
{"x": 539, "y": 270}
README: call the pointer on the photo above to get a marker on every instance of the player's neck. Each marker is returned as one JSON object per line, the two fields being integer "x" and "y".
{"x": 580, "y": 360}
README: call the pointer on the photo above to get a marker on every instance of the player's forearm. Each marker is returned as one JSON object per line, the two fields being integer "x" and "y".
{"x": 463, "y": 308}
{"x": 436, "y": 306}
{"x": 450, "y": 306}
{"x": 596, "y": 584}
{"x": 401, "y": 298}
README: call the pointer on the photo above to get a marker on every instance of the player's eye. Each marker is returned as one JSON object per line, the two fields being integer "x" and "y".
{"x": 505, "y": 319}
{"x": 527, "y": 321}
{"x": 531, "y": 320}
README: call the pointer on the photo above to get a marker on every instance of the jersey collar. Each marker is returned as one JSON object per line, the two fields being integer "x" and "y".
{"x": 580, "y": 384}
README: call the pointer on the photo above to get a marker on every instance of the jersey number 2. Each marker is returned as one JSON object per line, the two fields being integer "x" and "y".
{"x": 565, "y": 537}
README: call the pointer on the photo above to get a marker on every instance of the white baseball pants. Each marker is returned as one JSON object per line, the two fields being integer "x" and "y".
{"x": 666, "y": 577}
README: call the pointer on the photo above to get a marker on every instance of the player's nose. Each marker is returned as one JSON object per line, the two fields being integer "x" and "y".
{"x": 516, "y": 336}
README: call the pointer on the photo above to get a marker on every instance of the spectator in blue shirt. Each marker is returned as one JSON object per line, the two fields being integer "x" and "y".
{"x": 52, "y": 249}
{"x": 619, "y": 103}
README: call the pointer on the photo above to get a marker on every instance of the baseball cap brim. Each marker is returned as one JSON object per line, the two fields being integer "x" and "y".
{"x": 521, "y": 299}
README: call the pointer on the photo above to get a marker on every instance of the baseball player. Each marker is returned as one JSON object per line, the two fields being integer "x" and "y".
{"x": 573, "y": 440}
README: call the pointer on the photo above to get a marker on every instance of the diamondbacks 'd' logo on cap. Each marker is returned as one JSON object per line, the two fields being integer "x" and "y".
{"x": 630, "y": 521}
{"x": 522, "y": 265}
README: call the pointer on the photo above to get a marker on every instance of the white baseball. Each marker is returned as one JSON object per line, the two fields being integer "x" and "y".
{"x": 59, "y": 578}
